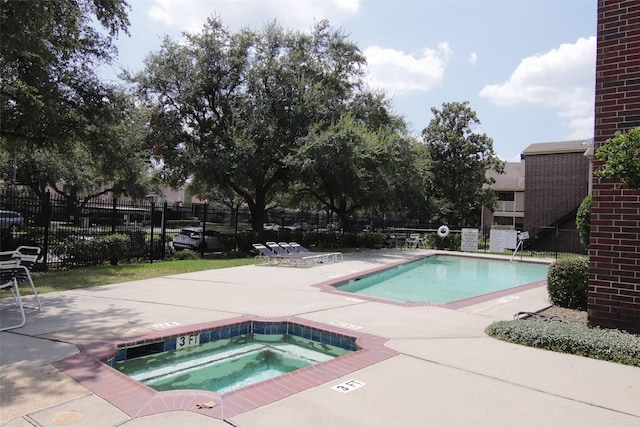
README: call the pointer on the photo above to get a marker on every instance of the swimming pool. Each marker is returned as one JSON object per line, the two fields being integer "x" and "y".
{"x": 444, "y": 279}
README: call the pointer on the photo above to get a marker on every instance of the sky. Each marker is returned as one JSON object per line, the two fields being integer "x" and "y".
{"x": 527, "y": 68}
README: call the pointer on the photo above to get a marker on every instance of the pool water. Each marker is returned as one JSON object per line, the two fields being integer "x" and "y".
{"x": 444, "y": 279}
{"x": 228, "y": 364}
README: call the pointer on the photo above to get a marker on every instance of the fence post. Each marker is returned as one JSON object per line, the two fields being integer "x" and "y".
{"x": 46, "y": 207}
{"x": 204, "y": 227}
{"x": 484, "y": 236}
{"x": 236, "y": 208}
{"x": 164, "y": 229}
{"x": 153, "y": 206}
{"x": 114, "y": 214}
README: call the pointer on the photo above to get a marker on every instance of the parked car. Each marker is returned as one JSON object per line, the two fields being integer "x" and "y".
{"x": 11, "y": 221}
{"x": 191, "y": 238}
{"x": 272, "y": 226}
{"x": 332, "y": 226}
{"x": 298, "y": 226}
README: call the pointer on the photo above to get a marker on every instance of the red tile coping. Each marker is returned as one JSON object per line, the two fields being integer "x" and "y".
{"x": 137, "y": 400}
{"x": 330, "y": 287}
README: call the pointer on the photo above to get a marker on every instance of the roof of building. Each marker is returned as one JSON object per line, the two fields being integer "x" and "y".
{"x": 576, "y": 146}
{"x": 511, "y": 180}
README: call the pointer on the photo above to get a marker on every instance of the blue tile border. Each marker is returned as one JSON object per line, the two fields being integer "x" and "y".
{"x": 235, "y": 329}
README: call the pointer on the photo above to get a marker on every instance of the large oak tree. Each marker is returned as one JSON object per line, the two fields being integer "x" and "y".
{"x": 231, "y": 109}
{"x": 62, "y": 127}
{"x": 362, "y": 161}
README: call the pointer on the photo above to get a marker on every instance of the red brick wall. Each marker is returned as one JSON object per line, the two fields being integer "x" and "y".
{"x": 614, "y": 254}
{"x": 555, "y": 184}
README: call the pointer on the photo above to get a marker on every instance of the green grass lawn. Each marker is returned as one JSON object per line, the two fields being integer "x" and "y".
{"x": 86, "y": 277}
{"x": 107, "y": 274}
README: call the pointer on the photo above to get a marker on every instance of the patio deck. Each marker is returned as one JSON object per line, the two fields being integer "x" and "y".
{"x": 446, "y": 371}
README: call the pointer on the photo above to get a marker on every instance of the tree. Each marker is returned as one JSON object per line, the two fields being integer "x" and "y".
{"x": 459, "y": 160}
{"x": 358, "y": 163}
{"x": 48, "y": 53}
{"x": 621, "y": 157}
{"x": 231, "y": 108}
{"x": 583, "y": 220}
{"x": 60, "y": 123}
{"x": 110, "y": 156}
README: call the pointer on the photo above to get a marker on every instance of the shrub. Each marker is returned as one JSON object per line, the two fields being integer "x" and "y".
{"x": 159, "y": 249}
{"x": 370, "y": 239}
{"x": 573, "y": 338}
{"x": 621, "y": 157}
{"x": 116, "y": 246}
{"x": 451, "y": 242}
{"x": 180, "y": 223}
{"x": 185, "y": 255}
{"x": 567, "y": 282}
{"x": 138, "y": 246}
{"x": 82, "y": 251}
{"x": 583, "y": 220}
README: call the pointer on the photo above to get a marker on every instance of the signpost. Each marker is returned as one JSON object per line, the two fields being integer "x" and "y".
{"x": 469, "y": 241}
{"x": 502, "y": 239}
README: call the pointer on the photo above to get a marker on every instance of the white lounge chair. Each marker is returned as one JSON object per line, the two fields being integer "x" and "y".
{"x": 265, "y": 255}
{"x": 269, "y": 256}
{"x": 333, "y": 256}
{"x": 318, "y": 257}
{"x": 295, "y": 259}
{"x": 14, "y": 269}
{"x": 28, "y": 257}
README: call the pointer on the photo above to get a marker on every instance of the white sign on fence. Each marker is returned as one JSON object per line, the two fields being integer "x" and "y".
{"x": 469, "y": 242}
{"x": 502, "y": 239}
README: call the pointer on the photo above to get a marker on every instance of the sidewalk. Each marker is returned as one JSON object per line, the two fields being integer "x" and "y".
{"x": 448, "y": 372}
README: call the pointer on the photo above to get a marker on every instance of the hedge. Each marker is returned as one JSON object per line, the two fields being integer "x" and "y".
{"x": 573, "y": 338}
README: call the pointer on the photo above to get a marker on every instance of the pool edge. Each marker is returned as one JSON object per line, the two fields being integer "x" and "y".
{"x": 329, "y": 286}
{"x": 138, "y": 400}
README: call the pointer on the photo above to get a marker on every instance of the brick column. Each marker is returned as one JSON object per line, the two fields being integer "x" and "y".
{"x": 614, "y": 253}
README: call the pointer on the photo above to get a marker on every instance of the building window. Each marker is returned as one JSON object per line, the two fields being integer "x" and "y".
{"x": 506, "y": 197}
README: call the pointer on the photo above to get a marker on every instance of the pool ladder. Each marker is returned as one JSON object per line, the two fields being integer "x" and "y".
{"x": 518, "y": 246}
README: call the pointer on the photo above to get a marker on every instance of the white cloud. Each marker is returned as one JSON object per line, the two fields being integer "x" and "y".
{"x": 562, "y": 79}
{"x": 351, "y": 6}
{"x": 473, "y": 58}
{"x": 190, "y": 15}
{"x": 398, "y": 72}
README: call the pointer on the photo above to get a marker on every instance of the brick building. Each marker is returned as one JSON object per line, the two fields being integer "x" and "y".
{"x": 556, "y": 182}
{"x": 614, "y": 253}
{"x": 509, "y": 189}
{"x": 542, "y": 193}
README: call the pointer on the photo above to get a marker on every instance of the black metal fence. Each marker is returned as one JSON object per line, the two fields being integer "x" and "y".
{"x": 548, "y": 242}
{"x": 57, "y": 224}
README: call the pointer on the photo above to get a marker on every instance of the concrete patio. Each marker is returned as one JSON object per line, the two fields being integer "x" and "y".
{"x": 447, "y": 372}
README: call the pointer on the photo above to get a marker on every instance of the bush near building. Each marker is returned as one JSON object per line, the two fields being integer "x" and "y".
{"x": 573, "y": 338}
{"x": 568, "y": 281}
